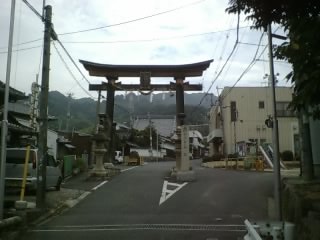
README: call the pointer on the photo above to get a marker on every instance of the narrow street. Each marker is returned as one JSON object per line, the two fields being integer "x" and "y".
{"x": 127, "y": 207}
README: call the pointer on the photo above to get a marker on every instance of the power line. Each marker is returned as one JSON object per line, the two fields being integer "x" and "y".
{"x": 254, "y": 60}
{"x": 221, "y": 70}
{"x": 233, "y": 56}
{"x": 69, "y": 70}
{"x": 132, "y": 20}
{"x": 23, "y": 43}
{"x": 33, "y": 10}
{"x": 71, "y": 59}
{"x": 21, "y": 49}
{"x": 152, "y": 39}
{"x": 132, "y": 41}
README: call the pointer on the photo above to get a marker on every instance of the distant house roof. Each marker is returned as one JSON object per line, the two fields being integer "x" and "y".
{"x": 121, "y": 126}
{"x": 14, "y": 94}
{"x": 165, "y": 125}
{"x": 195, "y": 134}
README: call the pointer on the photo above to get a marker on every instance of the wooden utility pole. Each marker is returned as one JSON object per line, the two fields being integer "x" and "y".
{"x": 43, "y": 126}
{"x": 68, "y": 112}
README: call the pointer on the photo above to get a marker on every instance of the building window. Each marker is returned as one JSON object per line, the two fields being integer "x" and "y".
{"x": 283, "y": 110}
{"x": 261, "y": 104}
{"x": 263, "y": 141}
{"x": 233, "y": 110}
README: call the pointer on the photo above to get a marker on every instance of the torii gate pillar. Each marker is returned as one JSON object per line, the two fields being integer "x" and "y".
{"x": 109, "y": 121}
{"x": 182, "y": 172}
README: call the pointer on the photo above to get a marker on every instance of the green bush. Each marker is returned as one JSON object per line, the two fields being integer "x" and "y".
{"x": 215, "y": 157}
{"x": 134, "y": 154}
{"x": 287, "y": 155}
{"x": 233, "y": 155}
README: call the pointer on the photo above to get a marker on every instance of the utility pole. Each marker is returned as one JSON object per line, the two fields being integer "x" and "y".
{"x": 97, "y": 112}
{"x": 276, "y": 162}
{"x": 43, "y": 129}
{"x": 157, "y": 145}
{"x": 150, "y": 133}
{"x": 4, "y": 125}
{"x": 68, "y": 113}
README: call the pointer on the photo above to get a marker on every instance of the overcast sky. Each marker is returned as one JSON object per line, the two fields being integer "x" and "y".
{"x": 193, "y": 31}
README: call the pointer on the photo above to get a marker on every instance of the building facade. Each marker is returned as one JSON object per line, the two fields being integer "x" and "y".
{"x": 237, "y": 122}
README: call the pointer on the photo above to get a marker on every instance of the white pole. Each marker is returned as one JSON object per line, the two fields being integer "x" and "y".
{"x": 4, "y": 127}
{"x": 157, "y": 145}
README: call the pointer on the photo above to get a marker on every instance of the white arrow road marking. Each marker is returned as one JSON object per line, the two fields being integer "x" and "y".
{"x": 166, "y": 193}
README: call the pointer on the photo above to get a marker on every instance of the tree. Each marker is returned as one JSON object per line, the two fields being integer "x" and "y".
{"x": 301, "y": 19}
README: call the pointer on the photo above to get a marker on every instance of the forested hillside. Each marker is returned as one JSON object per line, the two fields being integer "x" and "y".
{"x": 83, "y": 111}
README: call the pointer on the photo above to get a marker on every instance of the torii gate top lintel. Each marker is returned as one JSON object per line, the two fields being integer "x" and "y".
{"x": 176, "y": 71}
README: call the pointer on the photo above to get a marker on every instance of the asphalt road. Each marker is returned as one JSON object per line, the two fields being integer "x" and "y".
{"x": 127, "y": 207}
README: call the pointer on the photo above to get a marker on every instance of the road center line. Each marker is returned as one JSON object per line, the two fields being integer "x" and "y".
{"x": 124, "y": 170}
{"x": 99, "y": 185}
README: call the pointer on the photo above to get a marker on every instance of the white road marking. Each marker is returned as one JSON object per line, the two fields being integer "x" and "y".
{"x": 99, "y": 185}
{"x": 123, "y": 170}
{"x": 166, "y": 193}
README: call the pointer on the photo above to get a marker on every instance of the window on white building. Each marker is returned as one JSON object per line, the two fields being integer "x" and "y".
{"x": 283, "y": 109}
{"x": 261, "y": 104}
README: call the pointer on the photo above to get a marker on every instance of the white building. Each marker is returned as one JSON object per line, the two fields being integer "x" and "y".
{"x": 237, "y": 122}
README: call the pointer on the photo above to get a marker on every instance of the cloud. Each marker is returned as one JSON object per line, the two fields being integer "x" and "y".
{"x": 120, "y": 46}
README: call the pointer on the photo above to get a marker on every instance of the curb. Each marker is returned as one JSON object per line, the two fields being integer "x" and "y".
{"x": 70, "y": 203}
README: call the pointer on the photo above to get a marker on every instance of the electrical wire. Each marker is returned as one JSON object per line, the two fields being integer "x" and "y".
{"x": 69, "y": 70}
{"x": 151, "y": 39}
{"x": 23, "y": 43}
{"x": 132, "y": 20}
{"x": 33, "y": 9}
{"x": 21, "y": 49}
{"x": 71, "y": 59}
{"x": 131, "y": 41}
{"x": 253, "y": 61}
{"x": 251, "y": 64}
{"x": 233, "y": 56}
{"x": 221, "y": 70}
{"x": 223, "y": 49}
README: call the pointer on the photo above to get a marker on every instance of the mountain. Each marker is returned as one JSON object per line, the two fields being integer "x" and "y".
{"x": 83, "y": 111}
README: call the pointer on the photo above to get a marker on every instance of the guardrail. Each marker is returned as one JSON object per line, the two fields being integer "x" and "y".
{"x": 238, "y": 163}
{"x": 269, "y": 230}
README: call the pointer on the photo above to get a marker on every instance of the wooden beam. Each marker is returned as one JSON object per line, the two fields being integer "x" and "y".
{"x": 109, "y": 70}
{"x": 153, "y": 87}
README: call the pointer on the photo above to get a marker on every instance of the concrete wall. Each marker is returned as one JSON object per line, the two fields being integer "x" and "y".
{"x": 315, "y": 139}
{"x": 250, "y": 123}
{"x": 146, "y": 152}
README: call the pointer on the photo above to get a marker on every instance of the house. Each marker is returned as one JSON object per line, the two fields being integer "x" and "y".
{"x": 238, "y": 121}
{"x": 195, "y": 141}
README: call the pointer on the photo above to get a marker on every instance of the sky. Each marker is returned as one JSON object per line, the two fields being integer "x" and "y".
{"x": 134, "y": 32}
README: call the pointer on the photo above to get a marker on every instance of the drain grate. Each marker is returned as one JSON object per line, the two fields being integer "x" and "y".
{"x": 132, "y": 227}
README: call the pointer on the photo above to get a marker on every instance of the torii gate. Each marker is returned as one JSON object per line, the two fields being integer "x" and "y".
{"x": 145, "y": 72}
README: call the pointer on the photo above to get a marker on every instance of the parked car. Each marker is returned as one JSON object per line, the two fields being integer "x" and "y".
{"x": 15, "y": 164}
{"x": 118, "y": 158}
